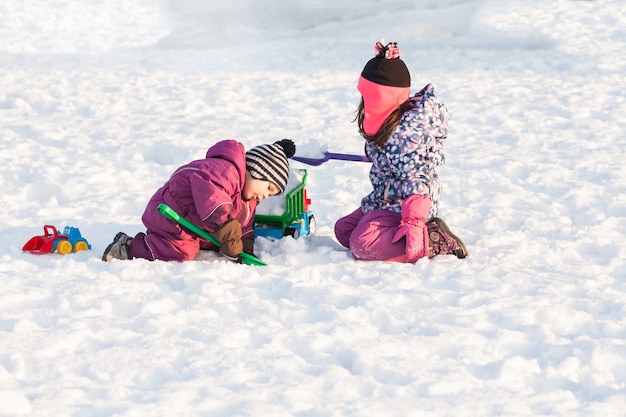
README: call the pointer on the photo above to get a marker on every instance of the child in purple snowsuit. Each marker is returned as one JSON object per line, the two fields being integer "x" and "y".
{"x": 219, "y": 193}
{"x": 404, "y": 141}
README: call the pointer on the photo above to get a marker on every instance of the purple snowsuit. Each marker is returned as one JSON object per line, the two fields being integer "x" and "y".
{"x": 390, "y": 225}
{"x": 207, "y": 192}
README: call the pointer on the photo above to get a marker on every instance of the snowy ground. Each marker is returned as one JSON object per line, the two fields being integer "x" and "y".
{"x": 100, "y": 101}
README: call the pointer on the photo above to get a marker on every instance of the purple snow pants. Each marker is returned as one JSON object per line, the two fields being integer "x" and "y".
{"x": 153, "y": 246}
{"x": 373, "y": 237}
{"x": 165, "y": 239}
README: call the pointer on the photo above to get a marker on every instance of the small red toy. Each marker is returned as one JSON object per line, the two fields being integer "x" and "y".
{"x": 70, "y": 241}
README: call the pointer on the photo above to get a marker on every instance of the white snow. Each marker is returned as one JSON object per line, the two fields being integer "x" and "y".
{"x": 100, "y": 101}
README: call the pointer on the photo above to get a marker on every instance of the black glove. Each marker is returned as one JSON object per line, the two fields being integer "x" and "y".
{"x": 229, "y": 235}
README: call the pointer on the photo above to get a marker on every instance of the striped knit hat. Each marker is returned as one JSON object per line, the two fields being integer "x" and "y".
{"x": 269, "y": 162}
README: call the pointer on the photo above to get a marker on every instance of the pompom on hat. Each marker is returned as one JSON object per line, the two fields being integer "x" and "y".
{"x": 384, "y": 84}
{"x": 269, "y": 162}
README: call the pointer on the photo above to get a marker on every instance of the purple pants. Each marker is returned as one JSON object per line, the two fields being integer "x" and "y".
{"x": 153, "y": 246}
{"x": 164, "y": 239}
{"x": 370, "y": 236}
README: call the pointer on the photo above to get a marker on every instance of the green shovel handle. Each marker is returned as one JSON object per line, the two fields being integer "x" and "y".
{"x": 171, "y": 214}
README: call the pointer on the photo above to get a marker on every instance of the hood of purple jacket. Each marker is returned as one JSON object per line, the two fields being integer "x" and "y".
{"x": 232, "y": 151}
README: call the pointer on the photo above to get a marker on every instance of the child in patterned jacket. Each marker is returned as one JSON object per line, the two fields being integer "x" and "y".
{"x": 404, "y": 141}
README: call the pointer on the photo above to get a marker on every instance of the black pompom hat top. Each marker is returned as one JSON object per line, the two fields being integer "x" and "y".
{"x": 386, "y": 68}
{"x": 269, "y": 162}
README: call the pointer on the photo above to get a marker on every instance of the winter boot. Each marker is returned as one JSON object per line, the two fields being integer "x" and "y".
{"x": 118, "y": 249}
{"x": 441, "y": 241}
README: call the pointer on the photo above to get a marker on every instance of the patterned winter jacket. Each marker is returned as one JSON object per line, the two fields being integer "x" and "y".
{"x": 406, "y": 164}
{"x": 206, "y": 192}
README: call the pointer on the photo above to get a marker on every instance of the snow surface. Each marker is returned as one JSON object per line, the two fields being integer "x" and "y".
{"x": 100, "y": 101}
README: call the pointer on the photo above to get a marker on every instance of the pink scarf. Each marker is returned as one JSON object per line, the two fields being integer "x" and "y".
{"x": 380, "y": 101}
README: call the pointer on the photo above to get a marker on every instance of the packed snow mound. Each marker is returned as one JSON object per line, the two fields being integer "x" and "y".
{"x": 200, "y": 24}
{"x": 101, "y": 25}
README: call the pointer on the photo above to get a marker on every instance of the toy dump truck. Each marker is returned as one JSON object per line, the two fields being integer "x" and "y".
{"x": 51, "y": 241}
{"x": 296, "y": 220}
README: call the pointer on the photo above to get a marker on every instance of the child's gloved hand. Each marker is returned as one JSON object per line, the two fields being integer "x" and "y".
{"x": 229, "y": 235}
{"x": 415, "y": 210}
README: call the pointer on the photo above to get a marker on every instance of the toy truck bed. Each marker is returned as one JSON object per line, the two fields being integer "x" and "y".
{"x": 295, "y": 221}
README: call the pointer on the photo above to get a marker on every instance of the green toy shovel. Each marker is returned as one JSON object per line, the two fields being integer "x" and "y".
{"x": 169, "y": 213}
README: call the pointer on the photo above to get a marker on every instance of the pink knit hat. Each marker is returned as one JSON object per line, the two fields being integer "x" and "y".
{"x": 384, "y": 84}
